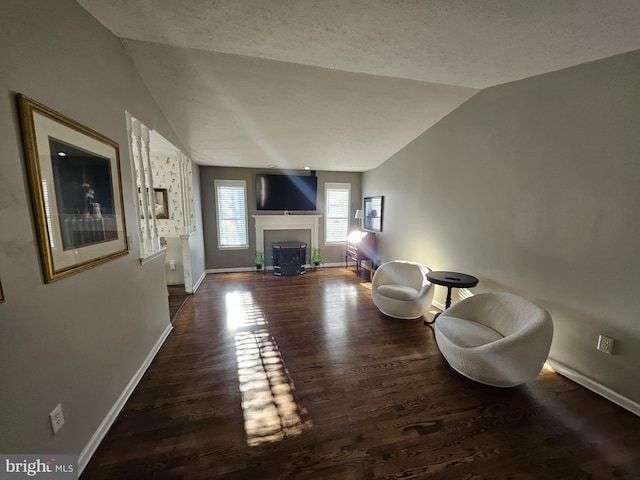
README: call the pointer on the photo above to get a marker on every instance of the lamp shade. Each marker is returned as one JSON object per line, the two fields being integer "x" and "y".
{"x": 359, "y": 214}
{"x": 356, "y": 236}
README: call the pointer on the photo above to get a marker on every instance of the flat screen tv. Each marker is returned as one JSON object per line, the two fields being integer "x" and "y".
{"x": 286, "y": 192}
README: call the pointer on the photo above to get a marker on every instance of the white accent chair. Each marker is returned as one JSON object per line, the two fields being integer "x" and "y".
{"x": 400, "y": 289}
{"x": 498, "y": 339}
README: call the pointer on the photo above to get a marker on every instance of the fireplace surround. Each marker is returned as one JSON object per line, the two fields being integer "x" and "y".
{"x": 286, "y": 222}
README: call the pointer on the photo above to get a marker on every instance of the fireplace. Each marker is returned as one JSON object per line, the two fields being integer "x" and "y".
{"x": 289, "y": 258}
{"x": 286, "y": 222}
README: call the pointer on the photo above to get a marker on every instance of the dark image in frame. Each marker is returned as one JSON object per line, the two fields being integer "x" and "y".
{"x": 76, "y": 191}
{"x": 373, "y": 213}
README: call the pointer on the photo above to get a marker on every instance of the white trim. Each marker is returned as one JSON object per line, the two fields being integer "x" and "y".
{"x": 266, "y": 267}
{"x": 438, "y": 305}
{"x": 152, "y": 256}
{"x": 91, "y": 447}
{"x": 286, "y": 222}
{"x": 186, "y": 263}
{"x": 229, "y": 270}
{"x": 199, "y": 281}
{"x": 595, "y": 387}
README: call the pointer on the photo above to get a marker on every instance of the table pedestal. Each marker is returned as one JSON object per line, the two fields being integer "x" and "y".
{"x": 450, "y": 280}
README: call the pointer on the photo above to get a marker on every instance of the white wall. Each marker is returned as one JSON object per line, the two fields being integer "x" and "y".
{"x": 80, "y": 340}
{"x": 174, "y": 252}
{"x": 196, "y": 240}
{"x": 534, "y": 187}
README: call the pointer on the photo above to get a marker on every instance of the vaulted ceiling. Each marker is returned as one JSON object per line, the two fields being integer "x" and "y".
{"x": 343, "y": 85}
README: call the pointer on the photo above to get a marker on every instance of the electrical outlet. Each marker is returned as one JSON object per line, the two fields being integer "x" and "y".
{"x": 56, "y": 418}
{"x": 605, "y": 344}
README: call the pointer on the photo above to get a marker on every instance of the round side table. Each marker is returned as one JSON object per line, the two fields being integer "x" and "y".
{"x": 450, "y": 280}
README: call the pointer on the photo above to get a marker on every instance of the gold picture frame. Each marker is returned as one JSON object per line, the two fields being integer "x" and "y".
{"x": 76, "y": 191}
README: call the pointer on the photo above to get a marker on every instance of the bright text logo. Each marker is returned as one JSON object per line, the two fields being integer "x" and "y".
{"x": 63, "y": 467}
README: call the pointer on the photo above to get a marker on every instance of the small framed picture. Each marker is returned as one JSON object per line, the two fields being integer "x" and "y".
{"x": 161, "y": 203}
{"x": 373, "y": 212}
{"x": 76, "y": 191}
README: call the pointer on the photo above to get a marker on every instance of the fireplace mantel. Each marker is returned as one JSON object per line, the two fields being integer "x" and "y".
{"x": 286, "y": 222}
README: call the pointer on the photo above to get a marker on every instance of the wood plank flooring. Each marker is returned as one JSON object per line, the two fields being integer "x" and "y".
{"x": 177, "y": 298}
{"x": 268, "y": 377}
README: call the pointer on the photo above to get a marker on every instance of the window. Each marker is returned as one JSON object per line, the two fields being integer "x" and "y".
{"x": 231, "y": 196}
{"x": 336, "y": 223}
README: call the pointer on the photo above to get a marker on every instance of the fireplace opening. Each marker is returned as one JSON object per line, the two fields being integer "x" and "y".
{"x": 289, "y": 258}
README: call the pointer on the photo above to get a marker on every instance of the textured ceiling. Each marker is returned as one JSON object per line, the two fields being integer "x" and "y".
{"x": 342, "y": 85}
{"x": 243, "y": 111}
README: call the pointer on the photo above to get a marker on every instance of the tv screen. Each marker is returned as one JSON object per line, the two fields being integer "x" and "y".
{"x": 286, "y": 192}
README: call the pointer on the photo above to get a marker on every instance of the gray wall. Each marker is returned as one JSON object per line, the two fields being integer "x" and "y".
{"x": 77, "y": 341}
{"x": 229, "y": 259}
{"x": 534, "y": 187}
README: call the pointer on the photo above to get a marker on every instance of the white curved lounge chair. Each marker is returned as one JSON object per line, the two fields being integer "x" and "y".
{"x": 498, "y": 339}
{"x": 400, "y": 289}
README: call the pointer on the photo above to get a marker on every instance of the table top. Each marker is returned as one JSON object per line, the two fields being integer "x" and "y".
{"x": 452, "y": 279}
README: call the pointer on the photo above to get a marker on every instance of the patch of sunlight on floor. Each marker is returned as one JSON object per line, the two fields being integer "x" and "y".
{"x": 268, "y": 404}
{"x": 242, "y": 311}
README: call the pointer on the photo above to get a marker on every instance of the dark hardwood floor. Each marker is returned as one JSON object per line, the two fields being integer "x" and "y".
{"x": 268, "y": 377}
{"x": 177, "y": 299}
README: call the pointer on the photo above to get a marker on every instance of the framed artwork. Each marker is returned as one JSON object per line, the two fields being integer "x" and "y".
{"x": 1, "y": 294}
{"x": 161, "y": 202}
{"x": 76, "y": 191}
{"x": 373, "y": 213}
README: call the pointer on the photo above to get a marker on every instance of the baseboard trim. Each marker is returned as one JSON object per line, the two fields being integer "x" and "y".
{"x": 199, "y": 282}
{"x": 91, "y": 447}
{"x": 266, "y": 268}
{"x": 595, "y": 387}
{"x": 230, "y": 270}
{"x": 440, "y": 306}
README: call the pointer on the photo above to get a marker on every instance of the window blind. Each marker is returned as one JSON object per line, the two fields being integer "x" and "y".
{"x": 231, "y": 198}
{"x": 337, "y": 196}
